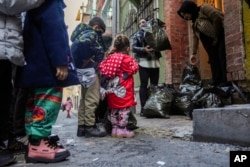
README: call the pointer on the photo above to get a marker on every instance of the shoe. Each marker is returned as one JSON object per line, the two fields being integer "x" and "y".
{"x": 141, "y": 114}
{"x": 46, "y": 150}
{"x": 91, "y": 131}
{"x": 114, "y": 131}
{"x": 124, "y": 133}
{"x": 18, "y": 145}
{"x": 6, "y": 157}
{"x": 80, "y": 131}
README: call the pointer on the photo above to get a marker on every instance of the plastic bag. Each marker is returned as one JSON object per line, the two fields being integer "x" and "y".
{"x": 160, "y": 36}
{"x": 159, "y": 103}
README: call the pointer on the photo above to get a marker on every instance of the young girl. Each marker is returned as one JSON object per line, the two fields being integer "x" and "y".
{"x": 68, "y": 106}
{"x": 119, "y": 68}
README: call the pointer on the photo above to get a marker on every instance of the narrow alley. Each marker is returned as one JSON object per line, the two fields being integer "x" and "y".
{"x": 158, "y": 142}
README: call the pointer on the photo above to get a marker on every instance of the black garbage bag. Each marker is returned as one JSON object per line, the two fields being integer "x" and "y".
{"x": 191, "y": 75}
{"x": 132, "y": 122}
{"x": 204, "y": 98}
{"x": 161, "y": 39}
{"x": 159, "y": 102}
{"x": 183, "y": 105}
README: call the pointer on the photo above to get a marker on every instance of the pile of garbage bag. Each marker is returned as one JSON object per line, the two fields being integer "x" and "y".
{"x": 192, "y": 94}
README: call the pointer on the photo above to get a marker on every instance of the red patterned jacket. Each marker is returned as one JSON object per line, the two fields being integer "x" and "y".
{"x": 122, "y": 67}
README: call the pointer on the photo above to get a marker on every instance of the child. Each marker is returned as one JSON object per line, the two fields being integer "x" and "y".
{"x": 68, "y": 106}
{"x": 49, "y": 68}
{"x": 119, "y": 68}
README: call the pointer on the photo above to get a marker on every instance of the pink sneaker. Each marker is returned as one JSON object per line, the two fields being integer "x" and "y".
{"x": 46, "y": 151}
{"x": 124, "y": 133}
{"x": 114, "y": 132}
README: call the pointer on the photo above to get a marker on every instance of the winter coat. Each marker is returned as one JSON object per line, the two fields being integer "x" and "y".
{"x": 119, "y": 69}
{"x": 210, "y": 23}
{"x": 11, "y": 40}
{"x": 46, "y": 47}
{"x": 87, "y": 47}
{"x": 68, "y": 105}
{"x": 138, "y": 46}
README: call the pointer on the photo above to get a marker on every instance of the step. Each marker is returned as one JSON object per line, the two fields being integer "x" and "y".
{"x": 229, "y": 124}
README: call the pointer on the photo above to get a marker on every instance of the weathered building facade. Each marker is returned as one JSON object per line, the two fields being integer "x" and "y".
{"x": 237, "y": 36}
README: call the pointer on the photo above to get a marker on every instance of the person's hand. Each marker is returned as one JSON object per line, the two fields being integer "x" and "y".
{"x": 62, "y": 72}
{"x": 148, "y": 49}
{"x": 193, "y": 59}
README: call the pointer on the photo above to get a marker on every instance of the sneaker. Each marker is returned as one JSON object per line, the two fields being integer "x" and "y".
{"x": 114, "y": 132}
{"x": 124, "y": 133}
{"x": 6, "y": 157}
{"x": 46, "y": 150}
{"x": 94, "y": 131}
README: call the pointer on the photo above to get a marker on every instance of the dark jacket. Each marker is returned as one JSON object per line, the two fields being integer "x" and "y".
{"x": 138, "y": 47}
{"x": 87, "y": 47}
{"x": 46, "y": 47}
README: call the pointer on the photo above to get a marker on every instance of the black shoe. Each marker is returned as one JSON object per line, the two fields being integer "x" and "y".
{"x": 18, "y": 145}
{"x": 91, "y": 131}
{"x": 80, "y": 131}
{"x": 6, "y": 157}
{"x": 141, "y": 114}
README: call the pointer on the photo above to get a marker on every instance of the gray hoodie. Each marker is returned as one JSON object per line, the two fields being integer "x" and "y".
{"x": 11, "y": 40}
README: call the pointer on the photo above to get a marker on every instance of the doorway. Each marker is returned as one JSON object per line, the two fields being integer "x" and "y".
{"x": 204, "y": 66}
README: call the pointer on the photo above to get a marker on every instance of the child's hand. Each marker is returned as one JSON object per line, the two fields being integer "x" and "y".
{"x": 62, "y": 72}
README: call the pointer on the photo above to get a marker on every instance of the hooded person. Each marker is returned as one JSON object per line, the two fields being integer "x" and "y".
{"x": 207, "y": 25}
{"x": 88, "y": 51}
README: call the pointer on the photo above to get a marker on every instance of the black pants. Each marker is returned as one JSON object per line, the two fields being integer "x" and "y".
{"x": 217, "y": 57}
{"x": 5, "y": 97}
{"x": 147, "y": 74}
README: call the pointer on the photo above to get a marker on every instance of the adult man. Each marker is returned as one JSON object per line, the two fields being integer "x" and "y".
{"x": 88, "y": 51}
{"x": 149, "y": 64}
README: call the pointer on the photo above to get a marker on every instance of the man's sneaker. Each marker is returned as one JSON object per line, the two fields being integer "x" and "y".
{"x": 46, "y": 150}
{"x": 91, "y": 131}
{"x": 6, "y": 157}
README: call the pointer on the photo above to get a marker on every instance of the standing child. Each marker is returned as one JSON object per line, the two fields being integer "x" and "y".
{"x": 68, "y": 106}
{"x": 119, "y": 68}
{"x": 49, "y": 68}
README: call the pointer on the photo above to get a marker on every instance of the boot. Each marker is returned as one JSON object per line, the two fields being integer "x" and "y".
{"x": 6, "y": 157}
{"x": 46, "y": 150}
{"x": 124, "y": 133}
{"x": 91, "y": 131}
{"x": 80, "y": 131}
{"x": 114, "y": 131}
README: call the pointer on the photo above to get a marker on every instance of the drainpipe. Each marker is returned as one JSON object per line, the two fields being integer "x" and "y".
{"x": 115, "y": 19}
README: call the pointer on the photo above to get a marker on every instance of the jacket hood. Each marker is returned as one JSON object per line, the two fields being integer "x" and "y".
{"x": 189, "y": 7}
{"x": 78, "y": 31}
